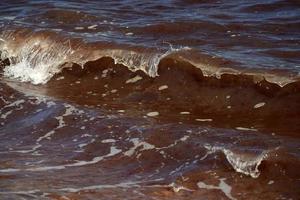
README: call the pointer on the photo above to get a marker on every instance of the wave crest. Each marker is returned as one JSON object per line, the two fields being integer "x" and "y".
{"x": 243, "y": 163}
{"x": 37, "y": 56}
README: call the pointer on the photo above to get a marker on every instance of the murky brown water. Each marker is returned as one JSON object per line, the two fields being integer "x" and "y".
{"x": 149, "y": 100}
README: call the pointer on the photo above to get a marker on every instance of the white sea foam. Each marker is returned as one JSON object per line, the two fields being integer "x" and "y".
{"x": 139, "y": 146}
{"x": 69, "y": 110}
{"x": 113, "y": 151}
{"x": 245, "y": 129}
{"x": 108, "y": 141}
{"x": 25, "y": 73}
{"x": 28, "y": 193}
{"x": 92, "y": 26}
{"x": 47, "y": 135}
{"x": 182, "y": 139}
{"x": 137, "y": 143}
{"x": 13, "y": 104}
{"x": 261, "y": 104}
{"x": 204, "y": 120}
{"x": 5, "y": 101}
{"x": 153, "y": 114}
{"x": 104, "y": 186}
{"x": 61, "y": 123}
{"x": 177, "y": 188}
{"x": 223, "y": 186}
{"x": 185, "y": 113}
{"x": 134, "y": 79}
{"x": 163, "y": 87}
{"x": 34, "y": 148}
{"x": 34, "y": 59}
{"x": 128, "y": 184}
{"x": 4, "y": 115}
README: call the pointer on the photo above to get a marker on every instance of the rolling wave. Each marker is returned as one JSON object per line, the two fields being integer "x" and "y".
{"x": 37, "y": 56}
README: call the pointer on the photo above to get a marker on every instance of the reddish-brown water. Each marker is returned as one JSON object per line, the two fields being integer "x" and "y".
{"x": 149, "y": 100}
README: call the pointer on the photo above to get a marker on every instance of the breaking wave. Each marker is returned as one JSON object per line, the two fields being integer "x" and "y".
{"x": 37, "y": 56}
{"x": 243, "y": 163}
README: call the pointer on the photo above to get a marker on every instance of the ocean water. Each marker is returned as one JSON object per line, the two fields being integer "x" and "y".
{"x": 195, "y": 99}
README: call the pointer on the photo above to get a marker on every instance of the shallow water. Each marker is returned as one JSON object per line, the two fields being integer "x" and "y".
{"x": 149, "y": 100}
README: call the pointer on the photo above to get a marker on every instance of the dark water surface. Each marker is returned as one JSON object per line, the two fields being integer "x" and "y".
{"x": 150, "y": 99}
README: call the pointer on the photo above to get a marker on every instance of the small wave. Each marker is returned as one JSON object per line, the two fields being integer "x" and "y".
{"x": 242, "y": 163}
